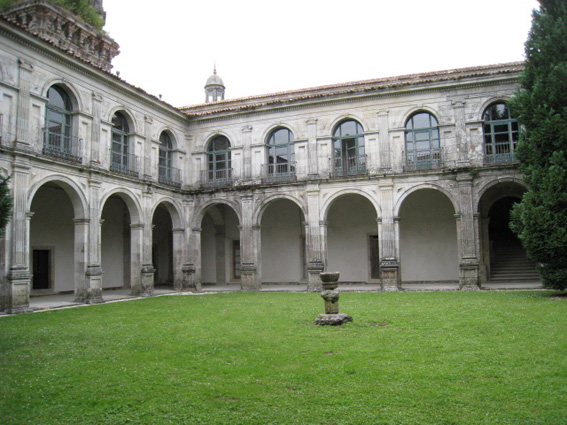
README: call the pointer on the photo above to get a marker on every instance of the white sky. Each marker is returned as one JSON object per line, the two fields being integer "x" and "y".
{"x": 260, "y": 46}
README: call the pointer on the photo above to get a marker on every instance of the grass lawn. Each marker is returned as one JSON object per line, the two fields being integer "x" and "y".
{"x": 257, "y": 358}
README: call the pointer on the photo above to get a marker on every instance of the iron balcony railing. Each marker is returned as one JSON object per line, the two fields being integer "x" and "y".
{"x": 283, "y": 172}
{"x": 499, "y": 153}
{"x": 61, "y": 146}
{"x": 126, "y": 164}
{"x": 216, "y": 178}
{"x": 425, "y": 159}
{"x": 348, "y": 166}
{"x": 169, "y": 176}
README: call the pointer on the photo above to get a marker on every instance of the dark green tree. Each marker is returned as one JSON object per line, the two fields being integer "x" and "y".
{"x": 5, "y": 205}
{"x": 540, "y": 219}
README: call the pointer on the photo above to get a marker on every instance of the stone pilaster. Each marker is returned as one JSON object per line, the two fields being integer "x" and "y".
{"x": 147, "y": 166}
{"x": 250, "y": 240}
{"x": 314, "y": 241}
{"x": 467, "y": 237}
{"x": 383, "y": 142}
{"x": 312, "y": 154}
{"x": 247, "y": 153}
{"x": 178, "y": 236}
{"x": 136, "y": 238}
{"x": 388, "y": 241}
{"x": 94, "y": 269}
{"x": 80, "y": 259}
{"x": 96, "y": 145}
{"x": 195, "y": 245}
{"x": 23, "y": 139}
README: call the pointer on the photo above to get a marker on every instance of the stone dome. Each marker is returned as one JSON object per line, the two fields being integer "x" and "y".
{"x": 214, "y": 80}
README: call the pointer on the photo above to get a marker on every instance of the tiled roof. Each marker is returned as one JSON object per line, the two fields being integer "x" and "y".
{"x": 356, "y": 87}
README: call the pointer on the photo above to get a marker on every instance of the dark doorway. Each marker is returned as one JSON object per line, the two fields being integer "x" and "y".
{"x": 374, "y": 257}
{"x": 41, "y": 268}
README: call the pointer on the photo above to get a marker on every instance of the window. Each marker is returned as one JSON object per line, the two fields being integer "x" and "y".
{"x": 348, "y": 149}
{"x": 120, "y": 160}
{"x": 281, "y": 156}
{"x": 501, "y": 133}
{"x": 167, "y": 174}
{"x": 219, "y": 168}
{"x": 423, "y": 150}
{"x": 58, "y": 141}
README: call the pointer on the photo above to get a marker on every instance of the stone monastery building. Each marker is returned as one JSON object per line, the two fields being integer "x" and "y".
{"x": 389, "y": 181}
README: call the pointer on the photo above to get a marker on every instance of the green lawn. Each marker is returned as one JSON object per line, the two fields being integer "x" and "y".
{"x": 257, "y": 358}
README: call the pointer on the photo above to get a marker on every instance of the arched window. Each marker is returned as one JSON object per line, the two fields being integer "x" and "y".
{"x": 121, "y": 160}
{"x": 167, "y": 174}
{"x": 423, "y": 149}
{"x": 219, "y": 167}
{"x": 501, "y": 133}
{"x": 281, "y": 155}
{"x": 349, "y": 156}
{"x": 58, "y": 140}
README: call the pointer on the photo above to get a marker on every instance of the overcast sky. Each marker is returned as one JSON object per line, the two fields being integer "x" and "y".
{"x": 260, "y": 46}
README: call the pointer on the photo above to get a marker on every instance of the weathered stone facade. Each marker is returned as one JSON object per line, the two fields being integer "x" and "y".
{"x": 114, "y": 188}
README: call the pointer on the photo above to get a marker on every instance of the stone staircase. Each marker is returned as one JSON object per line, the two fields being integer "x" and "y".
{"x": 510, "y": 264}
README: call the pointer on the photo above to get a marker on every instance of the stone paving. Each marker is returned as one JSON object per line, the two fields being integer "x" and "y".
{"x": 57, "y": 301}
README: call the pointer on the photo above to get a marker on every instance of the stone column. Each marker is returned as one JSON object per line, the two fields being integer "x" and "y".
{"x": 19, "y": 278}
{"x": 178, "y": 234}
{"x": 96, "y": 157}
{"x": 148, "y": 269}
{"x": 80, "y": 258}
{"x": 388, "y": 241}
{"x": 250, "y": 242}
{"x": 312, "y": 155}
{"x": 468, "y": 258}
{"x": 383, "y": 142}
{"x": 196, "y": 256}
{"x": 23, "y": 139}
{"x": 147, "y": 160}
{"x": 136, "y": 239}
{"x": 189, "y": 262}
{"x": 94, "y": 269}
{"x": 314, "y": 240}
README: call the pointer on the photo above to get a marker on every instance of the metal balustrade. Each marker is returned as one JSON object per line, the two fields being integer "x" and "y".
{"x": 217, "y": 178}
{"x": 425, "y": 159}
{"x": 283, "y": 172}
{"x": 499, "y": 153}
{"x": 61, "y": 146}
{"x": 348, "y": 166}
{"x": 169, "y": 175}
{"x": 127, "y": 164}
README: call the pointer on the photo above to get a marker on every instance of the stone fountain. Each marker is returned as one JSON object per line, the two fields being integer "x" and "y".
{"x": 331, "y": 295}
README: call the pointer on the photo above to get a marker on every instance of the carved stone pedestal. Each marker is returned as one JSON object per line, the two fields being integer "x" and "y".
{"x": 330, "y": 294}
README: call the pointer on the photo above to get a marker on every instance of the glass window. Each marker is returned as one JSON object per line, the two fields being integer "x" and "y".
{"x": 501, "y": 133}
{"x": 423, "y": 147}
{"x": 218, "y": 152}
{"x": 348, "y": 148}
{"x": 58, "y": 120}
{"x": 281, "y": 155}
{"x": 119, "y": 149}
{"x": 165, "y": 150}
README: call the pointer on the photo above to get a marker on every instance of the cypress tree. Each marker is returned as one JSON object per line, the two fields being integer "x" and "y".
{"x": 540, "y": 219}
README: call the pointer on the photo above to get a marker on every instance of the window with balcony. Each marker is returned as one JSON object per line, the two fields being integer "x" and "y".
{"x": 58, "y": 140}
{"x": 167, "y": 174}
{"x": 349, "y": 157}
{"x": 281, "y": 156}
{"x": 423, "y": 148}
{"x": 501, "y": 134}
{"x": 219, "y": 171}
{"x": 121, "y": 160}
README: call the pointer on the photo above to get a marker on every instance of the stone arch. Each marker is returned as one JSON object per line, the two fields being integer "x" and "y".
{"x": 428, "y": 238}
{"x": 327, "y": 203}
{"x": 172, "y": 135}
{"x": 70, "y": 89}
{"x": 130, "y": 199}
{"x": 73, "y": 190}
{"x": 487, "y": 103}
{"x": 128, "y": 115}
{"x": 173, "y": 209}
{"x": 336, "y": 121}
{"x": 203, "y": 209}
{"x": 261, "y": 208}
{"x": 399, "y": 202}
{"x": 517, "y": 185}
{"x": 417, "y": 109}
{"x": 268, "y": 131}
{"x": 207, "y": 140}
